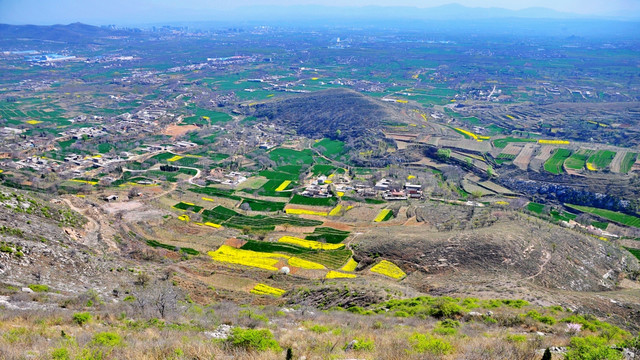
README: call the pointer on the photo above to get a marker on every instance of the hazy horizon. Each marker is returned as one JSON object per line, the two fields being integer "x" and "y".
{"x": 155, "y": 11}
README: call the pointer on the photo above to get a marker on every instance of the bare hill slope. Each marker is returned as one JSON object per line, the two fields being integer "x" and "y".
{"x": 512, "y": 250}
{"x": 337, "y": 114}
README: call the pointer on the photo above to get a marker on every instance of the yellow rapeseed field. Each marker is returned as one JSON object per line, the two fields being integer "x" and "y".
{"x": 266, "y": 261}
{"x": 553, "y": 142}
{"x": 382, "y": 215}
{"x": 338, "y": 275}
{"x": 262, "y": 289}
{"x": 85, "y": 181}
{"x": 175, "y": 158}
{"x": 304, "y": 264}
{"x": 309, "y": 244}
{"x": 350, "y": 265}
{"x": 283, "y": 185}
{"x": 256, "y": 259}
{"x": 339, "y": 209}
{"x": 387, "y": 268}
{"x": 305, "y": 212}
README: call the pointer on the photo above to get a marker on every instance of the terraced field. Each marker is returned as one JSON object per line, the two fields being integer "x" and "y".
{"x": 502, "y": 143}
{"x": 618, "y": 217}
{"x": 600, "y": 160}
{"x": 554, "y": 164}
{"x": 627, "y": 162}
{"x": 578, "y": 160}
{"x": 289, "y": 156}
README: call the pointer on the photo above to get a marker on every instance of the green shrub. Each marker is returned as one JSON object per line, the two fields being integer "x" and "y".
{"x": 38, "y": 287}
{"x": 447, "y": 327}
{"x": 446, "y": 309}
{"x": 361, "y": 344}
{"x": 591, "y": 348}
{"x": 319, "y": 329}
{"x": 60, "y": 354}
{"x": 549, "y": 320}
{"x": 251, "y": 339}
{"x": 81, "y": 318}
{"x": 424, "y": 343}
{"x": 517, "y": 304}
{"x": 252, "y": 315}
{"x": 107, "y": 339}
{"x": 517, "y": 338}
{"x": 444, "y": 331}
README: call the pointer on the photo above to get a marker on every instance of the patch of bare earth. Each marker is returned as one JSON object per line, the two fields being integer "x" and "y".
{"x": 178, "y": 130}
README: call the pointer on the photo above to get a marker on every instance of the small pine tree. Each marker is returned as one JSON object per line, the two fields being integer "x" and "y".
{"x": 546, "y": 355}
{"x": 289, "y": 354}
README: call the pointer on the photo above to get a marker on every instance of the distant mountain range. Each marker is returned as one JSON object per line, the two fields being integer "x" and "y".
{"x": 452, "y": 18}
{"x": 169, "y": 12}
{"x": 76, "y": 32}
{"x": 444, "y": 12}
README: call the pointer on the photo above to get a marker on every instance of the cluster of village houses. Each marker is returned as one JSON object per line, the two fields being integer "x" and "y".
{"x": 320, "y": 188}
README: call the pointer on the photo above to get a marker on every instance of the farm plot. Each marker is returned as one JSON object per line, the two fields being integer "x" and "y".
{"x": 273, "y": 187}
{"x": 171, "y": 176}
{"x": 305, "y": 212}
{"x": 328, "y": 235}
{"x": 502, "y": 143}
{"x": 627, "y": 162}
{"x": 263, "y": 205}
{"x": 554, "y": 164}
{"x": 283, "y": 186}
{"x": 303, "y": 200}
{"x": 473, "y": 188}
{"x": 217, "y": 192}
{"x": 262, "y": 289}
{"x": 351, "y": 265}
{"x": 274, "y": 247}
{"x": 188, "y": 206}
{"x": 218, "y": 214}
{"x": 322, "y": 169}
{"x": 293, "y": 157}
{"x": 310, "y": 244}
{"x": 188, "y": 251}
{"x": 230, "y": 218}
{"x": 523, "y": 159}
{"x": 384, "y": 215}
{"x": 163, "y": 156}
{"x": 387, "y": 268}
{"x": 330, "y": 148}
{"x": 266, "y": 261}
{"x": 205, "y": 117}
{"x": 512, "y": 149}
{"x": 535, "y": 207}
{"x": 623, "y": 161}
{"x": 338, "y": 275}
{"x": 618, "y": 217}
{"x": 634, "y": 252}
{"x": 578, "y": 159}
{"x": 600, "y": 160}
{"x": 333, "y": 259}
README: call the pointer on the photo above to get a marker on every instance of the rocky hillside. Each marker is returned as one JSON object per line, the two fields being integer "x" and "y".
{"x": 336, "y": 114}
{"x": 518, "y": 249}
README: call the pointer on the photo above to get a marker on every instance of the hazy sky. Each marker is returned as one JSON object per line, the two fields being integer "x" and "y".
{"x": 146, "y": 11}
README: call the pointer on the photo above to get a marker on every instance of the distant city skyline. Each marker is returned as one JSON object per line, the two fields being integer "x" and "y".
{"x": 100, "y": 12}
